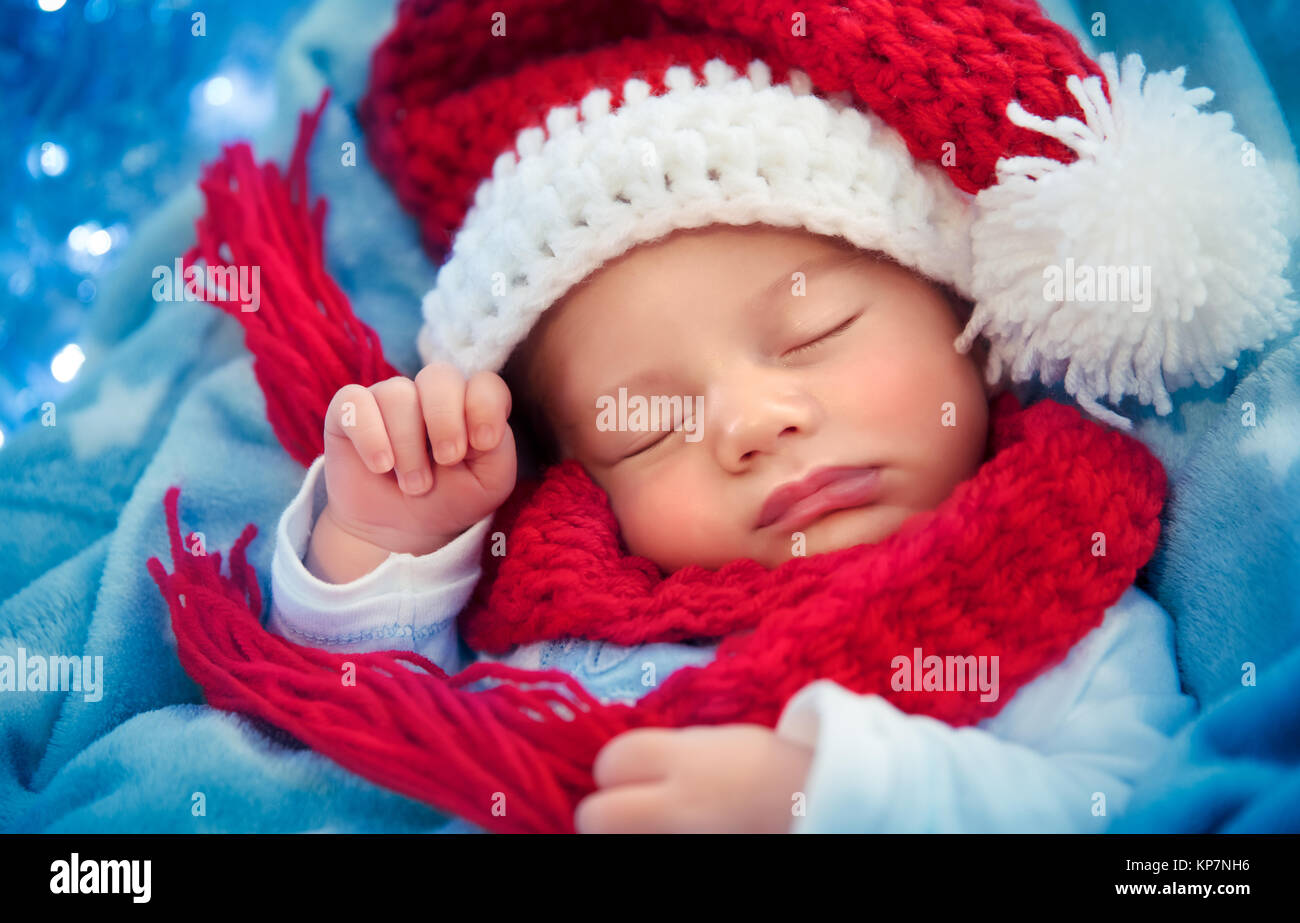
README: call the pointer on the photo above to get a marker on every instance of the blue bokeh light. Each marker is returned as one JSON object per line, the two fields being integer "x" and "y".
{"x": 108, "y": 108}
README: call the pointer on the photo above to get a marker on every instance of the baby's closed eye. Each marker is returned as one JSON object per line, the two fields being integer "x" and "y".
{"x": 823, "y": 337}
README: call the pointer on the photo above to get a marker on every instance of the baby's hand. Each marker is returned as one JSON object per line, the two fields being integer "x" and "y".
{"x": 383, "y": 488}
{"x": 730, "y": 778}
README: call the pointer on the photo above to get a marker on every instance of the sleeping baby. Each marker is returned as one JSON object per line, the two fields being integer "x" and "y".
{"x": 827, "y": 408}
{"x": 828, "y": 238}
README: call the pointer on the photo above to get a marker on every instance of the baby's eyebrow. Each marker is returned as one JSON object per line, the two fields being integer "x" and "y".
{"x": 781, "y": 285}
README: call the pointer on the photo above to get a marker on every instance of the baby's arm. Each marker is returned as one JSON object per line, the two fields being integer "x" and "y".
{"x": 405, "y": 602}
{"x": 1093, "y": 724}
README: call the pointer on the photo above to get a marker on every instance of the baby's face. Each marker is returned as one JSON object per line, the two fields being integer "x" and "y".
{"x": 857, "y": 371}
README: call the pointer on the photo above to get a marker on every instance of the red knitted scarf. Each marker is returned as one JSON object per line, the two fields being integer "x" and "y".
{"x": 1020, "y": 562}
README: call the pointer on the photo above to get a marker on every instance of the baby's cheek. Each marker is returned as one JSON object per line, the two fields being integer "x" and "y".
{"x": 921, "y": 390}
{"x": 667, "y": 519}
{"x": 887, "y": 391}
{"x": 952, "y": 430}
{"x": 648, "y": 513}
{"x": 925, "y": 412}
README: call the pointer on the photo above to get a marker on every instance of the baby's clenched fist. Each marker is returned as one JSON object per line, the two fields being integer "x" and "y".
{"x": 411, "y": 464}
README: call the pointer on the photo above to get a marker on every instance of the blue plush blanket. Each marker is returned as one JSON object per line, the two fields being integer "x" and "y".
{"x": 168, "y": 397}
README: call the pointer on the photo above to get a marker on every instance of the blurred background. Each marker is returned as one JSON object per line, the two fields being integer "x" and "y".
{"x": 108, "y": 107}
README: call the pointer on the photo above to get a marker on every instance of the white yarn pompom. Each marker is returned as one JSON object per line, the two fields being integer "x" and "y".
{"x": 1174, "y": 216}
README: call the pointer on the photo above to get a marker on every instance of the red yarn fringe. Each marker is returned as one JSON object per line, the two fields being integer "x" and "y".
{"x": 306, "y": 341}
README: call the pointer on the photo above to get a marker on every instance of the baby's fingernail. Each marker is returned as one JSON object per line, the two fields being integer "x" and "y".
{"x": 382, "y": 460}
{"x": 445, "y": 452}
{"x": 413, "y": 481}
{"x": 483, "y": 435}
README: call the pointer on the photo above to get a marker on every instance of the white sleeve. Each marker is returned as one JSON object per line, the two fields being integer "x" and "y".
{"x": 408, "y": 602}
{"x": 1069, "y": 745}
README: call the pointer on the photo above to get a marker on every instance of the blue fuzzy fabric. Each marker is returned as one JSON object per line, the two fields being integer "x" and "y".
{"x": 1236, "y": 770}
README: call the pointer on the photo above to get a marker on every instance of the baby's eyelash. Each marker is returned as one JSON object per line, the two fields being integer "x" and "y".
{"x": 825, "y": 336}
{"x": 651, "y": 445}
{"x": 666, "y": 434}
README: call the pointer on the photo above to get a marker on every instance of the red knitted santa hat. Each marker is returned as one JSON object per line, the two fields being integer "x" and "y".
{"x": 1108, "y": 232}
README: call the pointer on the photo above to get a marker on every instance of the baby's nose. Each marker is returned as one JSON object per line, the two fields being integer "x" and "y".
{"x": 745, "y": 423}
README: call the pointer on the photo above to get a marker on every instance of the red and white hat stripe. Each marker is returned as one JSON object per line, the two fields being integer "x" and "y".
{"x": 716, "y": 147}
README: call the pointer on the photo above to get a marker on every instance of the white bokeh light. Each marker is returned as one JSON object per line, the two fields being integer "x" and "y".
{"x": 218, "y": 91}
{"x": 78, "y": 236}
{"x": 99, "y": 242}
{"x": 54, "y": 158}
{"x": 66, "y": 362}
{"x": 230, "y": 101}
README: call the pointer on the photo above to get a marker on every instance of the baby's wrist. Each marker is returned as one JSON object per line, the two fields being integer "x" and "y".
{"x": 340, "y": 553}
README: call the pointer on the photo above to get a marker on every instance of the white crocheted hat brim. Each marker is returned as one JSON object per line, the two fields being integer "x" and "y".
{"x": 729, "y": 149}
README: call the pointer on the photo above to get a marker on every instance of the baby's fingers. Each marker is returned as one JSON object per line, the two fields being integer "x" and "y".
{"x": 442, "y": 401}
{"x": 399, "y": 402}
{"x": 354, "y": 415}
{"x": 487, "y": 407}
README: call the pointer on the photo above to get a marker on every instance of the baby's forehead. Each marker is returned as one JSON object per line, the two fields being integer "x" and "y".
{"x": 569, "y": 357}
